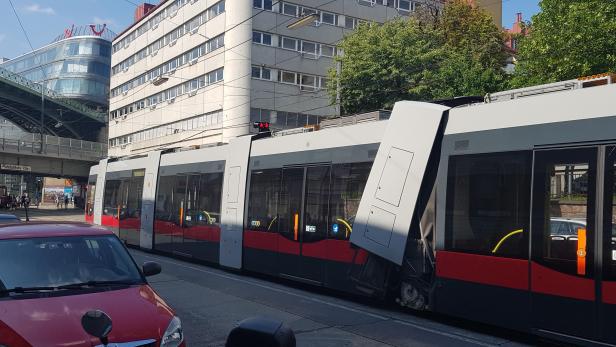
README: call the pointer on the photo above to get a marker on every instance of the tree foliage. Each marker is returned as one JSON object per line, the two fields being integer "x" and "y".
{"x": 460, "y": 52}
{"x": 568, "y": 39}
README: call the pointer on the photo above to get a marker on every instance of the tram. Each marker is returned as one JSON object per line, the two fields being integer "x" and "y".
{"x": 500, "y": 211}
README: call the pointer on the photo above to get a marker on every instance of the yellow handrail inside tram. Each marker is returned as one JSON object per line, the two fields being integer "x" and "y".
{"x": 209, "y": 218}
{"x": 272, "y": 222}
{"x": 519, "y": 231}
{"x": 347, "y": 225}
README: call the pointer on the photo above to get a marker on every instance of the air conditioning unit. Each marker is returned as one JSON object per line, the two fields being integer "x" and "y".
{"x": 154, "y": 52}
{"x": 172, "y": 14}
{"x": 123, "y": 147}
{"x": 192, "y": 93}
{"x": 154, "y": 26}
{"x": 171, "y": 43}
{"x": 125, "y": 69}
{"x": 171, "y": 72}
{"x": 171, "y": 100}
{"x": 192, "y": 1}
{"x": 123, "y": 116}
{"x": 125, "y": 92}
{"x": 192, "y": 62}
{"x": 193, "y": 31}
{"x": 153, "y": 106}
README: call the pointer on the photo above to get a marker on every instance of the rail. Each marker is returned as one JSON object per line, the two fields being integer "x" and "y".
{"x": 54, "y": 146}
{"x": 35, "y": 88}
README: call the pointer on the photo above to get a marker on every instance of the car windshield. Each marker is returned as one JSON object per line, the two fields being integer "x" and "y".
{"x": 59, "y": 261}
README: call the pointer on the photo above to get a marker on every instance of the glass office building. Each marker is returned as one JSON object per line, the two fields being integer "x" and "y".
{"x": 76, "y": 65}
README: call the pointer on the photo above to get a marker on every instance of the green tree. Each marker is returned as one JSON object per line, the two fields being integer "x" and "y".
{"x": 460, "y": 52}
{"x": 474, "y": 54}
{"x": 567, "y": 39}
{"x": 382, "y": 64}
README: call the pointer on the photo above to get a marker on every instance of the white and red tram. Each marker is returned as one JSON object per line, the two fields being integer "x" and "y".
{"x": 500, "y": 211}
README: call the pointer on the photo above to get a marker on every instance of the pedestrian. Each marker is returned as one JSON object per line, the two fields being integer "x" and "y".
{"x": 13, "y": 202}
{"x": 65, "y": 202}
{"x": 57, "y": 201}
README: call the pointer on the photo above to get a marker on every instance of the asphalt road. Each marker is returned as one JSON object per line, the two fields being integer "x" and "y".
{"x": 211, "y": 301}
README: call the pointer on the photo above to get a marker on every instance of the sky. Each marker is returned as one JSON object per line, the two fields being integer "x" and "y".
{"x": 511, "y": 7}
{"x": 44, "y": 20}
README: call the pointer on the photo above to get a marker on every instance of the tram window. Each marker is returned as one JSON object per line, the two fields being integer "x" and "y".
{"x": 348, "y": 182}
{"x": 90, "y": 198}
{"x": 209, "y": 199}
{"x": 488, "y": 203}
{"x": 111, "y": 199}
{"x": 562, "y": 209}
{"x": 290, "y": 203}
{"x": 134, "y": 197}
{"x": 316, "y": 205}
{"x": 170, "y": 197}
{"x": 192, "y": 213}
{"x": 263, "y": 200}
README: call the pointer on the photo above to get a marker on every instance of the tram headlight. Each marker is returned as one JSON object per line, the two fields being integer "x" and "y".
{"x": 174, "y": 335}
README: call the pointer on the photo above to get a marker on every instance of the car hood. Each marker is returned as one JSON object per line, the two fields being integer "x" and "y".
{"x": 137, "y": 313}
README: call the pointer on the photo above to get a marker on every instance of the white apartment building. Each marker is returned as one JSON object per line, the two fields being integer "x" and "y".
{"x": 195, "y": 72}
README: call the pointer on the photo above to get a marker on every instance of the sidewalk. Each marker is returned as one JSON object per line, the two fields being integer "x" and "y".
{"x": 49, "y": 212}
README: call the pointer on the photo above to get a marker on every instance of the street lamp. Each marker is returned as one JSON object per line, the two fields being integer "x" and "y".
{"x": 303, "y": 21}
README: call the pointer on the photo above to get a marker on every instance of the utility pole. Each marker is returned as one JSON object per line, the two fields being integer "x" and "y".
{"x": 42, "y": 114}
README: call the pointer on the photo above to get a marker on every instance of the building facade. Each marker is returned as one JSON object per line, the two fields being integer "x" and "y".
{"x": 76, "y": 65}
{"x": 196, "y": 72}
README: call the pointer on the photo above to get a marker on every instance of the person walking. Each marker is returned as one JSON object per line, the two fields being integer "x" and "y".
{"x": 65, "y": 202}
{"x": 58, "y": 201}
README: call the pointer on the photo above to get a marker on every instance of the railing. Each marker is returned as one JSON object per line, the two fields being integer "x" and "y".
{"x": 52, "y": 95}
{"x": 355, "y": 119}
{"x": 53, "y": 146}
{"x": 101, "y": 31}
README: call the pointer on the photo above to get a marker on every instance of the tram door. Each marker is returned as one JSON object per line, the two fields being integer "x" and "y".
{"x": 608, "y": 285}
{"x": 303, "y": 215}
{"x": 564, "y": 266}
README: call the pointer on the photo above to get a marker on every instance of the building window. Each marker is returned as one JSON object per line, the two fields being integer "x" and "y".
{"x": 328, "y": 51}
{"x": 405, "y": 5}
{"x": 261, "y": 38}
{"x": 329, "y": 18}
{"x": 308, "y": 82}
{"x": 309, "y": 47}
{"x": 287, "y": 77}
{"x": 488, "y": 201}
{"x": 263, "y": 4}
{"x": 289, "y": 43}
{"x": 289, "y": 9}
{"x": 261, "y": 73}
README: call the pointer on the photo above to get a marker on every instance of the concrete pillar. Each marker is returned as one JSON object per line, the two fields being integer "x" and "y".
{"x": 237, "y": 79}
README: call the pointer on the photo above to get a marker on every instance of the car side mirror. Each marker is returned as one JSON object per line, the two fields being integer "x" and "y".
{"x": 98, "y": 324}
{"x": 151, "y": 268}
{"x": 261, "y": 332}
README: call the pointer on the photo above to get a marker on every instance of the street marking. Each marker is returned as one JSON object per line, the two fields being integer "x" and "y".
{"x": 340, "y": 306}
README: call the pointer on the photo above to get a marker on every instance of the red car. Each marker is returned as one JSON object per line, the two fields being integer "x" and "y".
{"x": 52, "y": 274}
